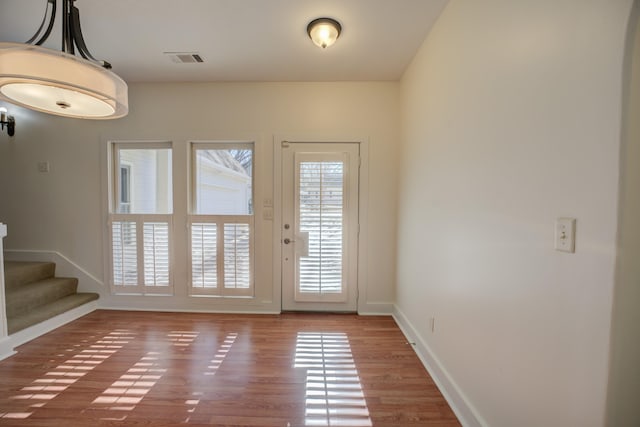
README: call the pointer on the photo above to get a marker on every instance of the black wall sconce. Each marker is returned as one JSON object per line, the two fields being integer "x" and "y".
{"x": 8, "y": 121}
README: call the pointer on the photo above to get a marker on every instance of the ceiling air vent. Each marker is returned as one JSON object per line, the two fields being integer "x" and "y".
{"x": 185, "y": 57}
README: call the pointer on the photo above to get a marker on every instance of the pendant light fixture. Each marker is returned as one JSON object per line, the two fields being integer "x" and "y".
{"x": 59, "y": 82}
{"x": 324, "y": 31}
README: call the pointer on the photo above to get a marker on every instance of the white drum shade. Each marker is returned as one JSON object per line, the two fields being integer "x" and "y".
{"x": 59, "y": 83}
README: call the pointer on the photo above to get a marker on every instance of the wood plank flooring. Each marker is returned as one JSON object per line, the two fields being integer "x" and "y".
{"x": 161, "y": 369}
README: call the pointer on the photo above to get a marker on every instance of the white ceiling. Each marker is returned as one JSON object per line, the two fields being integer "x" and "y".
{"x": 240, "y": 40}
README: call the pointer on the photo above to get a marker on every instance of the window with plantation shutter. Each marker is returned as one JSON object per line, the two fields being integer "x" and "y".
{"x": 320, "y": 206}
{"x": 140, "y": 219}
{"x": 221, "y": 223}
{"x": 156, "y": 253}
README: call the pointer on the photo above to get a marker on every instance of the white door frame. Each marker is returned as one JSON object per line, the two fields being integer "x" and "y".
{"x": 363, "y": 202}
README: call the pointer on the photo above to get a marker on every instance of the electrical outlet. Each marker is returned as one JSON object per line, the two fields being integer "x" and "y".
{"x": 565, "y": 240}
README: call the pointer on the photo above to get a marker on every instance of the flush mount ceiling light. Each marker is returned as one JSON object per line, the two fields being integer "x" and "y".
{"x": 58, "y": 82}
{"x": 324, "y": 31}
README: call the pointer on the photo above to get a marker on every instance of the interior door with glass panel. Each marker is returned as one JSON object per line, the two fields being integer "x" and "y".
{"x": 319, "y": 233}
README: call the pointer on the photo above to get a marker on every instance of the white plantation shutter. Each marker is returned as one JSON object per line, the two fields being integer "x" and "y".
{"x": 141, "y": 265}
{"x": 221, "y": 255}
{"x": 204, "y": 252}
{"x": 125, "y": 258}
{"x": 237, "y": 256}
{"x": 156, "y": 253}
{"x": 320, "y": 199}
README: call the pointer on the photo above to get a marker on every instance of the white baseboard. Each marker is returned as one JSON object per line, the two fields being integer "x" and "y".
{"x": 8, "y": 345}
{"x": 376, "y": 309}
{"x": 6, "y": 348}
{"x": 466, "y": 413}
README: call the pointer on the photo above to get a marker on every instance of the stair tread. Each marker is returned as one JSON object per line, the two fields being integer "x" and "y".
{"x": 46, "y": 311}
{"x": 33, "y": 295}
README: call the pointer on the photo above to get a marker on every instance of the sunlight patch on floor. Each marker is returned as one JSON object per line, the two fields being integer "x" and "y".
{"x": 56, "y": 381}
{"x": 216, "y": 362}
{"x": 127, "y": 392}
{"x": 333, "y": 393}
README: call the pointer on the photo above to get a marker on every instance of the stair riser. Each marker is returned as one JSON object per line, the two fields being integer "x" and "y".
{"x": 15, "y": 324}
{"x": 18, "y": 273}
{"x": 30, "y": 297}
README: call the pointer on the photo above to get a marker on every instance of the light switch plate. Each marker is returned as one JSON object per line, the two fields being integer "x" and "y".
{"x": 44, "y": 167}
{"x": 565, "y": 237}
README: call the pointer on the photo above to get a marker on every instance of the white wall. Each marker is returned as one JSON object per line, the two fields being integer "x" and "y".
{"x": 624, "y": 381}
{"x": 511, "y": 118}
{"x": 63, "y": 210}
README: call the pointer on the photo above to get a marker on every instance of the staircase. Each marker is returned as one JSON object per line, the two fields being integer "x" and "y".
{"x": 33, "y": 294}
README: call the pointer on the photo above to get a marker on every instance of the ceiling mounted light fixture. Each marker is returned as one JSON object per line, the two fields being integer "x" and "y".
{"x": 58, "y": 82}
{"x": 324, "y": 31}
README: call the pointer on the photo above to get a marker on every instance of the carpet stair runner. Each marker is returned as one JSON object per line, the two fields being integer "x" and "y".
{"x": 33, "y": 294}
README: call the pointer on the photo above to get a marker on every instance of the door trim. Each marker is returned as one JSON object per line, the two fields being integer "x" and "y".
{"x": 363, "y": 202}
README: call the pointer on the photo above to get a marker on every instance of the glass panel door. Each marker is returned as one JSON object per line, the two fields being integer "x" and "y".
{"x": 319, "y": 236}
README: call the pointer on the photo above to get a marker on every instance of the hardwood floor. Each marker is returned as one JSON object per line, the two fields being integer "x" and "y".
{"x": 161, "y": 369}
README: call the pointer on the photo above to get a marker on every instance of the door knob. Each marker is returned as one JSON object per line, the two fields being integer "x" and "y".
{"x": 287, "y": 241}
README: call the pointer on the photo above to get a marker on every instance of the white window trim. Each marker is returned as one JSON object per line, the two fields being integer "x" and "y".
{"x": 113, "y": 196}
{"x": 193, "y": 217}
